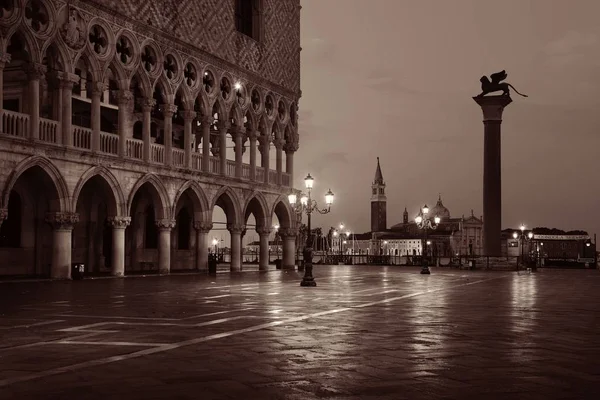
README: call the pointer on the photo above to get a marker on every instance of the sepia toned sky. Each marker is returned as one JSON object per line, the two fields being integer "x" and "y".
{"x": 395, "y": 79}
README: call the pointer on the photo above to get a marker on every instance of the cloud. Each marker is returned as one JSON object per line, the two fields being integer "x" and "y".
{"x": 319, "y": 51}
{"x": 385, "y": 81}
{"x": 571, "y": 42}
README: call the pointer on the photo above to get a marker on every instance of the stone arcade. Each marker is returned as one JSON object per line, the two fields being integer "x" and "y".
{"x": 115, "y": 132}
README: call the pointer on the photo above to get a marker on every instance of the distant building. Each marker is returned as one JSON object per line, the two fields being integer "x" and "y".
{"x": 553, "y": 245}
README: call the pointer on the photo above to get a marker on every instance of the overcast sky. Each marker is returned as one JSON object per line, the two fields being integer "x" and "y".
{"x": 395, "y": 79}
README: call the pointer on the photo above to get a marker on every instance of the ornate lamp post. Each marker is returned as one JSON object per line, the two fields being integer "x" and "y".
{"x": 522, "y": 238}
{"x": 425, "y": 223}
{"x": 276, "y": 227}
{"x": 308, "y": 205}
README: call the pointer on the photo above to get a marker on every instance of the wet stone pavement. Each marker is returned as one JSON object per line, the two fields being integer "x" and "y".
{"x": 362, "y": 333}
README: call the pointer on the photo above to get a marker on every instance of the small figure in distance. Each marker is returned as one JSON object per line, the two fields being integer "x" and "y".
{"x": 496, "y": 85}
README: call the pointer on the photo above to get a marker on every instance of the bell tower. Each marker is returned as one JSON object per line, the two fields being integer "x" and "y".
{"x": 405, "y": 216}
{"x": 378, "y": 202}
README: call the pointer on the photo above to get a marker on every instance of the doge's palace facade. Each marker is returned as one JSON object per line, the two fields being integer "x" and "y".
{"x": 125, "y": 122}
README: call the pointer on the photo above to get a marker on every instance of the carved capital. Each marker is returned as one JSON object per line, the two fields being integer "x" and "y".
{"x": 188, "y": 115}
{"x": 207, "y": 121}
{"x": 168, "y": 110}
{"x": 165, "y": 224}
{"x": 492, "y": 106}
{"x": 119, "y": 222}
{"x": 252, "y": 134}
{"x": 236, "y": 228}
{"x": 148, "y": 104}
{"x": 224, "y": 125}
{"x": 262, "y": 230}
{"x": 125, "y": 98}
{"x": 288, "y": 232}
{"x": 67, "y": 80}
{"x": 4, "y": 59}
{"x": 62, "y": 220}
{"x": 3, "y": 214}
{"x": 278, "y": 143}
{"x": 97, "y": 88}
{"x": 35, "y": 70}
{"x": 203, "y": 227}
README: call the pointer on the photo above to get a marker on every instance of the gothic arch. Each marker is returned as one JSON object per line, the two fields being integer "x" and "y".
{"x": 32, "y": 48}
{"x": 201, "y": 208}
{"x": 144, "y": 82}
{"x": 236, "y": 114}
{"x": 257, "y": 204}
{"x": 161, "y": 195}
{"x": 250, "y": 120}
{"x": 62, "y": 53}
{"x": 285, "y": 214}
{"x": 91, "y": 63}
{"x": 229, "y": 200}
{"x": 52, "y": 172}
{"x": 202, "y": 98}
{"x": 167, "y": 89}
{"x": 112, "y": 182}
{"x": 119, "y": 73}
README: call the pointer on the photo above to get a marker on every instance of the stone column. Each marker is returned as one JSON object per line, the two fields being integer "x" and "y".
{"x": 97, "y": 89}
{"x": 238, "y": 136}
{"x": 492, "y": 107}
{"x": 188, "y": 118}
{"x": 147, "y": 107}
{"x": 168, "y": 112}
{"x": 62, "y": 224}
{"x": 252, "y": 135}
{"x": 263, "y": 252}
{"x": 206, "y": 122}
{"x": 66, "y": 86}
{"x": 289, "y": 166}
{"x": 236, "y": 246}
{"x": 223, "y": 128}
{"x": 4, "y": 59}
{"x": 34, "y": 73}
{"x": 3, "y": 215}
{"x": 125, "y": 101}
{"x": 265, "y": 144}
{"x": 279, "y": 160}
{"x": 202, "y": 229}
{"x": 118, "y": 245}
{"x": 164, "y": 244}
{"x": 288, "y": 236}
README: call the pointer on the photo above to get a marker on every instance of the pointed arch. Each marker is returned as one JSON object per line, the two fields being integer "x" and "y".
{"x": 257, "y": 205}
{"x": 281, "y": 208}
{"x": 91, "y": 64}
{"x": 62, "y": 53}
{"x": 229, "y": 202}
{"x": 119, "y": 73}
{"x": 33, "y": 49}
{"x": 236, "y": 114}
{"x": 50, "y": 169}
{"x": 199, "y": 199}
{"x": 221, "y": 108}
{"x": 165, "y": 87}
{"x": 202, "y": 100}
{"x": 112, "y": 182}
{"x": 161, "y": 195}
{"x": 250, "y": 120}
{"x": 144, "y": 82}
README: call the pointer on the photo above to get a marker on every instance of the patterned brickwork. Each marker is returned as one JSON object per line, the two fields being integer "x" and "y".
{"x": 209, "y": 25}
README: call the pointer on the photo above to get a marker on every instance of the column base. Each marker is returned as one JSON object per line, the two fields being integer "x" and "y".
{"x": 164, "y": 271}
{"x": 118, "y": 274}
{"x": 308, "y": 282}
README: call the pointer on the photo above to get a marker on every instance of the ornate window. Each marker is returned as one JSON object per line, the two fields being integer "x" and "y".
{"x": 248, "y": 18}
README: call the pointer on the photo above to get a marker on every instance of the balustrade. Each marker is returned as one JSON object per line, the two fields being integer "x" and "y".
{"x": 197, "y": 161}
{"x": 82, "y": 138}
{"x": 230, "y": 168}
{"x": 48, "y": 130}
{"x": 178, "y": 158}
{"x": 260, "y": 174}
{"x": 109, "y": 143}
{"x": 246, "y": 171}
{"x": 285, "y": 179}
{"x": 214, "y": 165}
{"x": 135, "y": 148}
{"x": 15, "y": 124}
{"x": 157, "y": 153}
{"x": 272, "y": 176}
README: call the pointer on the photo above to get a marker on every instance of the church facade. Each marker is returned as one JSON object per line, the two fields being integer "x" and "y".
{"x": 452, "y": 237}
{"x": 124, "y": 123}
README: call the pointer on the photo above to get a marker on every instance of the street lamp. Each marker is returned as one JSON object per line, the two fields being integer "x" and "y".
{"x": 522, "y": 238}
{"x": 425, "y": 222}
{"x": 276, "y": 227}
{"x": 308, "y": 205}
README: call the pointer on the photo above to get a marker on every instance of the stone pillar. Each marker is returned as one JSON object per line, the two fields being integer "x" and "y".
{"x": 168, "y": 111}
{"x": 289, "y": 166}
{"x": 62, "y": 224}
{"x": 238, "y": 136}
{"x": 202, "y": 229}
{"x": 147, "y": 107}
{"x": 35, "y": 72}
{"x": 4, "y": 59}
{"x": 164, "y": 244}
{"x": 492, "y": 107}
{"x": 206, "y": 122}
{"x": 252, "y": 135}
{"x": 288, "y": 236}
{"x": 223, "y": 128}
{"x": 236, "y": 246}
{"x": 125, "y": 101}
{"x": 3, "y": 215}
{"x": 66, "y": 86}
{"x": 263, "y": 252}
{"x": 188, "y": 118}
{"x": 265, "y": 144}
{"x": 97, "y": 89}
{"x": 279, "y": 160}
{"x": 118, "y": 245}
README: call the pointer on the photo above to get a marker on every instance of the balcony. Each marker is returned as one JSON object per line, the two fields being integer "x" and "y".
{"x": 17, "y": 125}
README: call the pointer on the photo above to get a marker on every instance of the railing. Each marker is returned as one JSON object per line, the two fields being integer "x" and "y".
{"x": 246, "y": 171}
{"x": 48, "y": 130}
{"x": 197, "y": 161}
{"x": 157, "y": 153}
{"x": 230, "y": 168}
{"x": 82, "y": 138}
{"x": 285, "y": 179}
{"x": 260, "y": 174}
{"x": 272, "y": 176}
{"x": 109, "y": 143}
{"x": 135, "y": 148}
{"x": 15, "y": 124}
{"x": 178, "y": 157}
{"x": 214, "y": 165}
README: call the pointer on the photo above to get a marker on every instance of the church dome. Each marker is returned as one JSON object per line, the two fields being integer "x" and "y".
{"x": 440, "y": 210}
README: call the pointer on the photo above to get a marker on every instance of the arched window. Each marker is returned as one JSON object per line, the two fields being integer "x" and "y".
{"x": 248, "y": 16}
{"x": 151, "y": 231}
{"x": 183, "y": 229}
{"x": 10, "y": 231}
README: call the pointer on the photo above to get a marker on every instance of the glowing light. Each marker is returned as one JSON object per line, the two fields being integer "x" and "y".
{"x": 309, "y": 181}
{"x": 329, "y": 198}
{"x": 522, "y": 228}
{"x": 425, "y": 209}
{"x": 437, "y": 220}
{"x": 530, "y": 235}
{"x": 304, "y": 200}
{"x": 237, "y": 86}
{"x": 515, "y": 235}
{"x": 292, "y": 198}
{"x": 419, "y": 219}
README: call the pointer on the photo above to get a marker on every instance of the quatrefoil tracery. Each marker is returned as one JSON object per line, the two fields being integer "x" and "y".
{"x": 148, "y": 59}
{"x": 170, "y": 66}
{"x": 36, "y": 14}
{"x": 189, "y": 73}
{"x": 208, "y": 81}
{"x": 124, "y": 50}
{"x": 6, "y": 7}
{"x": 98, "y": 39}
{"x": 225, "y": 88}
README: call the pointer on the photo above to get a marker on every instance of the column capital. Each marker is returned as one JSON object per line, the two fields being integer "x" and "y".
{"x": 168, "y": 110}
{"x": 119, "y": 222}
{"x": 4, "y": 58}
{"x": 189, "y": 115}
{"x": 492, "y": 106}
{"x": 36, "y": 71}
{"x": 252, "y": 134}
{"x": 288, "y": 232}
{"x": 148, "y": 104}
{"x": 224, "y": 125}
{"x": 3, "y": 214}
{"x": 125, "y": 97}
{"x": 263, "y": 230}
{"x": 207, "y": 120}
{"x": 236, "y": 228}
{"x": 67, "y": 79}
{"x": 291, "y": 145}
{"x": 97, "y": 88}
{"x": 203, "y": 227}
{"x": 278, "y": 143}
{"x": 62, "y": 220}
{"x": 165, "y": 224}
